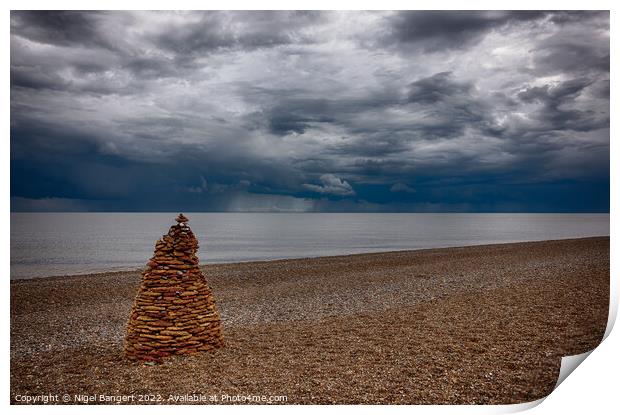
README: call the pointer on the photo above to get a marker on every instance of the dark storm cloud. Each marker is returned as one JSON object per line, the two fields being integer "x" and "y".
{"x": 66, "y": 28}
{"x": 37, "y": 78}
{"x": 285, "y": 123}
{"x": 436, "y": 30}
{"x": 555, "y": 112}
{"x": 436, "y": 88}
{"x": 452, "y": 105}
{"x": 327, "y": 111}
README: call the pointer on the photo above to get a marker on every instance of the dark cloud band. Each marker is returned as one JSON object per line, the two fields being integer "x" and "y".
{"x": 382, "y": 111}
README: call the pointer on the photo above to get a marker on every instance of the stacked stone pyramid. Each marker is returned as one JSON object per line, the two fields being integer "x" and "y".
{"x": 174, "y": 311}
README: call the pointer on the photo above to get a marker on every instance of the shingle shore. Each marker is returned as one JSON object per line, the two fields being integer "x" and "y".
{"x": 483, "y": 324}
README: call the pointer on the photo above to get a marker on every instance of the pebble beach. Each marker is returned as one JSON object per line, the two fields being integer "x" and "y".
{"x": 472, "y": 325}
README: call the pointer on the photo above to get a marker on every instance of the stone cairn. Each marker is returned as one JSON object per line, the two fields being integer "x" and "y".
{"x": 174, "y": 311}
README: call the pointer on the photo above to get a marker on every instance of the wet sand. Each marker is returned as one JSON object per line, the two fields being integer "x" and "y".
{"x": 484, "y": 324}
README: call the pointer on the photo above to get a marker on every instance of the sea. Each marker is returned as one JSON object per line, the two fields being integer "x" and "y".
{"x": 48, "y": 244}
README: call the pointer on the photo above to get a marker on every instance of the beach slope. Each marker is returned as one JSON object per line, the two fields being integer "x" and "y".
{"x": 483, "y": 324}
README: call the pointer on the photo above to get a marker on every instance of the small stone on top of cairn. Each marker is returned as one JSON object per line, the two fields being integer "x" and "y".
{"x": 174, "y": 311}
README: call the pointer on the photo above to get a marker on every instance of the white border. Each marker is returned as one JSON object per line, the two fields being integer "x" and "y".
{"x": 592, "y": 389}
{"x": 312, "y": 5}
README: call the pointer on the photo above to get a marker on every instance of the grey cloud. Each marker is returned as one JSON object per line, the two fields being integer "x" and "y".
{"x": 440, "y": 31}
{"x": 578, "y": 44}
{"x": 331, "y": 185}
{"x": 247, "y": 30}
{"x": 372, "y": 144}
{"x": 601, "y": 89}
{"x": 450, "y": 106}
{"x": 295, "y": 111}
{"x": 282, "y": 123}
{"x": 438, "y": 87}
{"x": 445, "y": 30}
{"x": 555, "y": 101}
{"x": 575, "y": 55}
{"x": 37, "y": 77}
{"x": 207, "y": 33}
{"x": 553, "y": 95}
{"x": 572, "y": 16}
{"x": 61, "y": 27}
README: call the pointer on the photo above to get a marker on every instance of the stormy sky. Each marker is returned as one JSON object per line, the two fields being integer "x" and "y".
{"x": 411, "y": 111}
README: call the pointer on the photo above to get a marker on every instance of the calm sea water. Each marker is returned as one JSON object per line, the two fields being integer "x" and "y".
{"x": 44, "y": 244}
